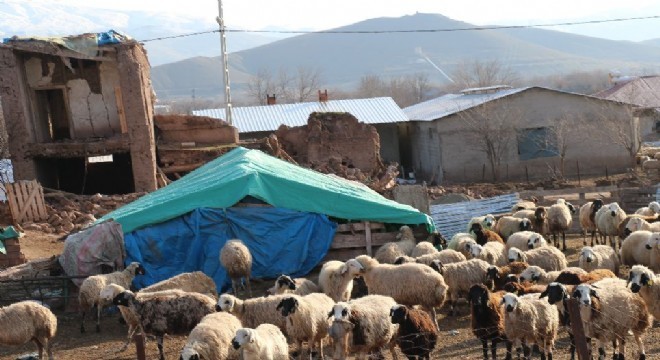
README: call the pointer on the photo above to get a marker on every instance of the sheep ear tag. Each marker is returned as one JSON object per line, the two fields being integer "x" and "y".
{"x": 649, "y": 283}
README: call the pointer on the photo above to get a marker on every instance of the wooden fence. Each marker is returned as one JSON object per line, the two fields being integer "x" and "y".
{"x": 26, "y": 201}
{"x": 632, "y": 199}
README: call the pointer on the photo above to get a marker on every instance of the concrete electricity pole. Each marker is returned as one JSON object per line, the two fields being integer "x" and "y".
{"x": 225, "y": 63}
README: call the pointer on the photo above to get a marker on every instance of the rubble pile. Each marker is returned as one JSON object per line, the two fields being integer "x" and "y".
{"x": 69, "y": 212}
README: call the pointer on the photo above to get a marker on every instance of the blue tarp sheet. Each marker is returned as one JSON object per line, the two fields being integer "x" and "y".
{"x": 281, "y": 241}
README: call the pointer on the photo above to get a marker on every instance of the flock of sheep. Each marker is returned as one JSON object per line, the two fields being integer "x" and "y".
{"x": 516, "y": 283}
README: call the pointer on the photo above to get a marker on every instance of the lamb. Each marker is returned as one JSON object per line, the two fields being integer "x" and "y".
{"x": 638, "y": 223}
{"x": 538, "y": 217}
{"x": 608, "y": 219}
{"x": 508, "y": 225}
{"x": 488, "y": 319}
{"x": 588, "y": 219}
{"x": 644, "y": 282}
{"x": 548, "y": 258}
{"x": 264, "y": 342}
{"x": 307, "y": 319}
{"x": 211, "y": 338}
{"x": 195, "y": 281}
{"x": 560, "y": 220}
{"x": 423, "y": 248}
{"x": 285, "y": 284}
{"x": 488, "y": 222}
{"x": 528, "y": 319}
{"x": 408, "y": 284}
{"x": 236, "y": 258}
{"x": 387, "y": 253}
{"x": 609, "y": 310}
{"x": 493, "y": 253}
{"x": 27, "y": 321}
{"x": 535, "y": 274}
{"x": 254, "y": 312}
{"x": 92, "y": 286}
{"x": 162, "y": 312}
{"x": 599, "y": 257}
{"x": 652, "y": 209}
{"x": 633, "y": 249}
{"x": 460, "y": 277}
{"x": 417, "y": 334}
{"x": 362, "y": 326}
{"x": 525, "y": 240}
{"x": 498, "y": 275}
{"x": 525, "y": 204}
{"x": 108, "y": 294}
{"x": 483, "y": 235}
{"x": 459, "y": 242}
{"x": 335, "y": 281}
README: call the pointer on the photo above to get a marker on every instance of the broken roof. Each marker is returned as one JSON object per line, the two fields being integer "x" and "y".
{"x": 86, "y": 44}
{"x": 381, "y": 110}
{"x": 643, "y": 91}
{"x": 226, "y": 180}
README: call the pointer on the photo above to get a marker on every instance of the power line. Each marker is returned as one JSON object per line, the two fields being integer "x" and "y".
{"x": 474, "y": 28}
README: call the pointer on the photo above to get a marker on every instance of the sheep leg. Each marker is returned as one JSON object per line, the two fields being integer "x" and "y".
{"x": 493, "y": 349}
{"x": 527, "y": 351}
{"x": 563, "y": 237}
{"x": 82, "y": 323}
{"x": 159, "y": 340}
{"x": 572, "y": 346}
{"x": 40, "y": 347}
{"x": 509, "y": 346}
{"x": 247, "y": 278}
{"x": 640, "y": 346}
{"x": 98, "y": 317}
{"x": 484, "y": 347}
{"x": 434, "y": 316}
{"x": 131, "y": 332}
{"x": 234, "y": 287}
{"x": 622, "y": 348}
{"x": 49, "y": 349}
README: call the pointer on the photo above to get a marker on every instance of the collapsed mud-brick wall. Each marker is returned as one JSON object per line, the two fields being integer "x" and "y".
{"x": 337, "y": 139}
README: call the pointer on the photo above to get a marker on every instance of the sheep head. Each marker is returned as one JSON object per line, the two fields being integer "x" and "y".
{"x": 515, "y": 255}
{"x": 525, "y": 225}
{"x": 489, "y": 221}
{"x": 135, "y": 268}
{"x": 243, "y": 336}
{"x": 189, "y": 353}
{"x": 226, "y": 303}
{"x": 509, "y": 301}
{"x": 653, "y": 241}
{"x": 584, "y": 293}
{"x": 536, "y": 241}
{"x": 123, "y": 298}
{"x": 478, "y": 296}
{"x": 634, "y": 224}
{"x": 474, "y": 249}
{"x": 354, "y": 267}
{"x": 613, "y": 208}
{"x": 655, "y": 207}
{"x": 282, "y": 284}
{"x": 587, "y": 253}
{"x": 288, "y": 306}
{"x": 398, "y": 314}
{"x": 640, "y": 276}
{"x": 532, "y": 273}
{"x": 555, "y": 292}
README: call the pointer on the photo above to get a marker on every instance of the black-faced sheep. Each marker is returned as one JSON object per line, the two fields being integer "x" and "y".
{"x": 417, "y": 334}
{"x": 508, "y": 225}
{"x": 306, "y": 320}
{"x": 91, "y": 287}
{"x": 264, "y": 342}
{"x": 559, "y": 220}
{"x": 236, "y": 258}
{"x": 588, "y": 219}
{"x": 488, "y": 222}
{"x": 558, "y": 295}
{"x": 526, "y": 240}
{"x": 335, "y": 281}
{"x": 211, "y": 338}
{"x": 27, "y": 321}
{"x": 460, "y": 241}
{"x": 530, "y": 320}
{"x": 487, "y": 318}
{"x": 493, "y": 253}
{"x": 609, "y": 310}
{"x": 284, "y": 284}
{"x": 172, "y": 312}
{"x": 498, "y": 275}
{"x": 537, "y": 275}
{"x": 387, "y": 253}
{"x": 647, "y": 284}
{"x": 483, "y": 235}
{"x": 538, "y": 218}
{"x": 362, "y": 326}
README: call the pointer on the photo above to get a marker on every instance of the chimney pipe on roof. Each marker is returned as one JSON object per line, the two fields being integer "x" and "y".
{"x": 271, "y": 100}
{"x": 323, "y": 96}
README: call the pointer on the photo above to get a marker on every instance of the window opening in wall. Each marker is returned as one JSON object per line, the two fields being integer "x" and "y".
{"x": 53, "y": 116}
{"x": 537, "y": 143}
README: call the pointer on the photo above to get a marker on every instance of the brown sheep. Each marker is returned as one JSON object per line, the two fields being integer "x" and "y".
{"x": 484, "y": 235}
{"x": 498, "y": 275}
{"x": 488, "y": 319}
{"x": 572, "y": 278}
{"x": 417, "y": 334}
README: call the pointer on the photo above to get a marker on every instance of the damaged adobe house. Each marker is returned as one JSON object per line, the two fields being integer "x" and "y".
{"x": 78, "y": 111}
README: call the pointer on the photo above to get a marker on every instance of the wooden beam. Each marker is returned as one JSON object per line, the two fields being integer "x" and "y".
{"x": 181, "y": 168}
{"x": 367, "y": 235}
{"x": 120, "y": 110}
{"x": 578, "y": 330}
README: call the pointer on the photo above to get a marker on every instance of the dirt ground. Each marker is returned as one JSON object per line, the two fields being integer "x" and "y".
{"x": 70, "y": 343}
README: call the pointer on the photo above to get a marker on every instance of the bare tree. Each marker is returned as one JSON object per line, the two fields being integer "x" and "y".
{"x": 261, "y": 85}
{"x": 371, "y": 86}
{"x": 555, "y": 141}
{"x": 306, "y": 82}
{"x": 482, "y": 73}
{"x": 405, "y": 90}
{"x": 621, "y": 127}
{"x": 491, "y": 130}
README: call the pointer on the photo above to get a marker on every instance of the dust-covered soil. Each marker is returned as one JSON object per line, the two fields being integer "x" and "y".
{"x": 456, "y": 340}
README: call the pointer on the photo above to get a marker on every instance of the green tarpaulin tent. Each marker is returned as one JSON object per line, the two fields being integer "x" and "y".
{"x": 226, "y": 180}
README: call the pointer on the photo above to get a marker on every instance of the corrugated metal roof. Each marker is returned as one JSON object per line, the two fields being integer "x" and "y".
{"x": 452, "y": 103}
{"x": 247, "y": 119}
{"x": 642, "y": 91}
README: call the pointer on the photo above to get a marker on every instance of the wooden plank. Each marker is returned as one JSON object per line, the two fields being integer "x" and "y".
{"x": 13, "y": 204}
{"x": 367, "y": 236}
{"x": 353, "y": 227}
{"x": 120, "y": 110}
{"x": 27, "y": 211}
{"x": 43, "y": 211}
{"x": 343, "y": 254}
{"x": 346, "y": 241}
{"x": 22, "y": 197}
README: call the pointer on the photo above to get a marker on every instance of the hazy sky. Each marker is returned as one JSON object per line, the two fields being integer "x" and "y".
{"x": 325, "y": 14}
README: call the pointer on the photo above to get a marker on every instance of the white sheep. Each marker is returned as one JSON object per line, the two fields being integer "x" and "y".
{"x": 560, "y": 220}
{"x": 266, "y": 342}
{"x": 633, "y": 249}
{"x": 525, "y": 240}
{"x": 638, "y": 223}
{"x": 254, "y": 312}
{"x": 307, "y": 320}
{"x": 644, "y": 282}
{"x": 460, "y": 241}
{"x": 236, "y": 258}
{"x": 538, "y": 217}
{"x": 530, "y": 320}
{"x": 387, "y": 253}
{"x": 27, "y": 321}
{"x": 423, "y": 248}
{"x": 493, "y": 253}
{"x": 407, "y": 284}
{"x": 652, "y": 209}
{"x": 487, "y": 221}
{"x": 535, "y": 274}
{"x": 447, "y": 256}
{"x": 549, "y": 258}
{"x": 460, "y": 277}
{"x": 211, "y": 338}
{"x": 284, "y": 284}
{"x": 609, "y": 311}
{"x": 653, "y": 247}
{"x": 172, "y": 312}
{"x": 525, "y": 204}
{"x": 608, "y": 219}
{"x": 588, "y": 219}
{"x": 91, "y": 287}
{"x": 363, "y": 326}
{"x": 335, "y": 281}
{"x": 599, "y": 257}
{"x": 508, "y": 225}
{"x": 195, "y": 281}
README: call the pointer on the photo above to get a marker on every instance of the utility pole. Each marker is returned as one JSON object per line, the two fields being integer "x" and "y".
{"x": 225, "y": 62}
